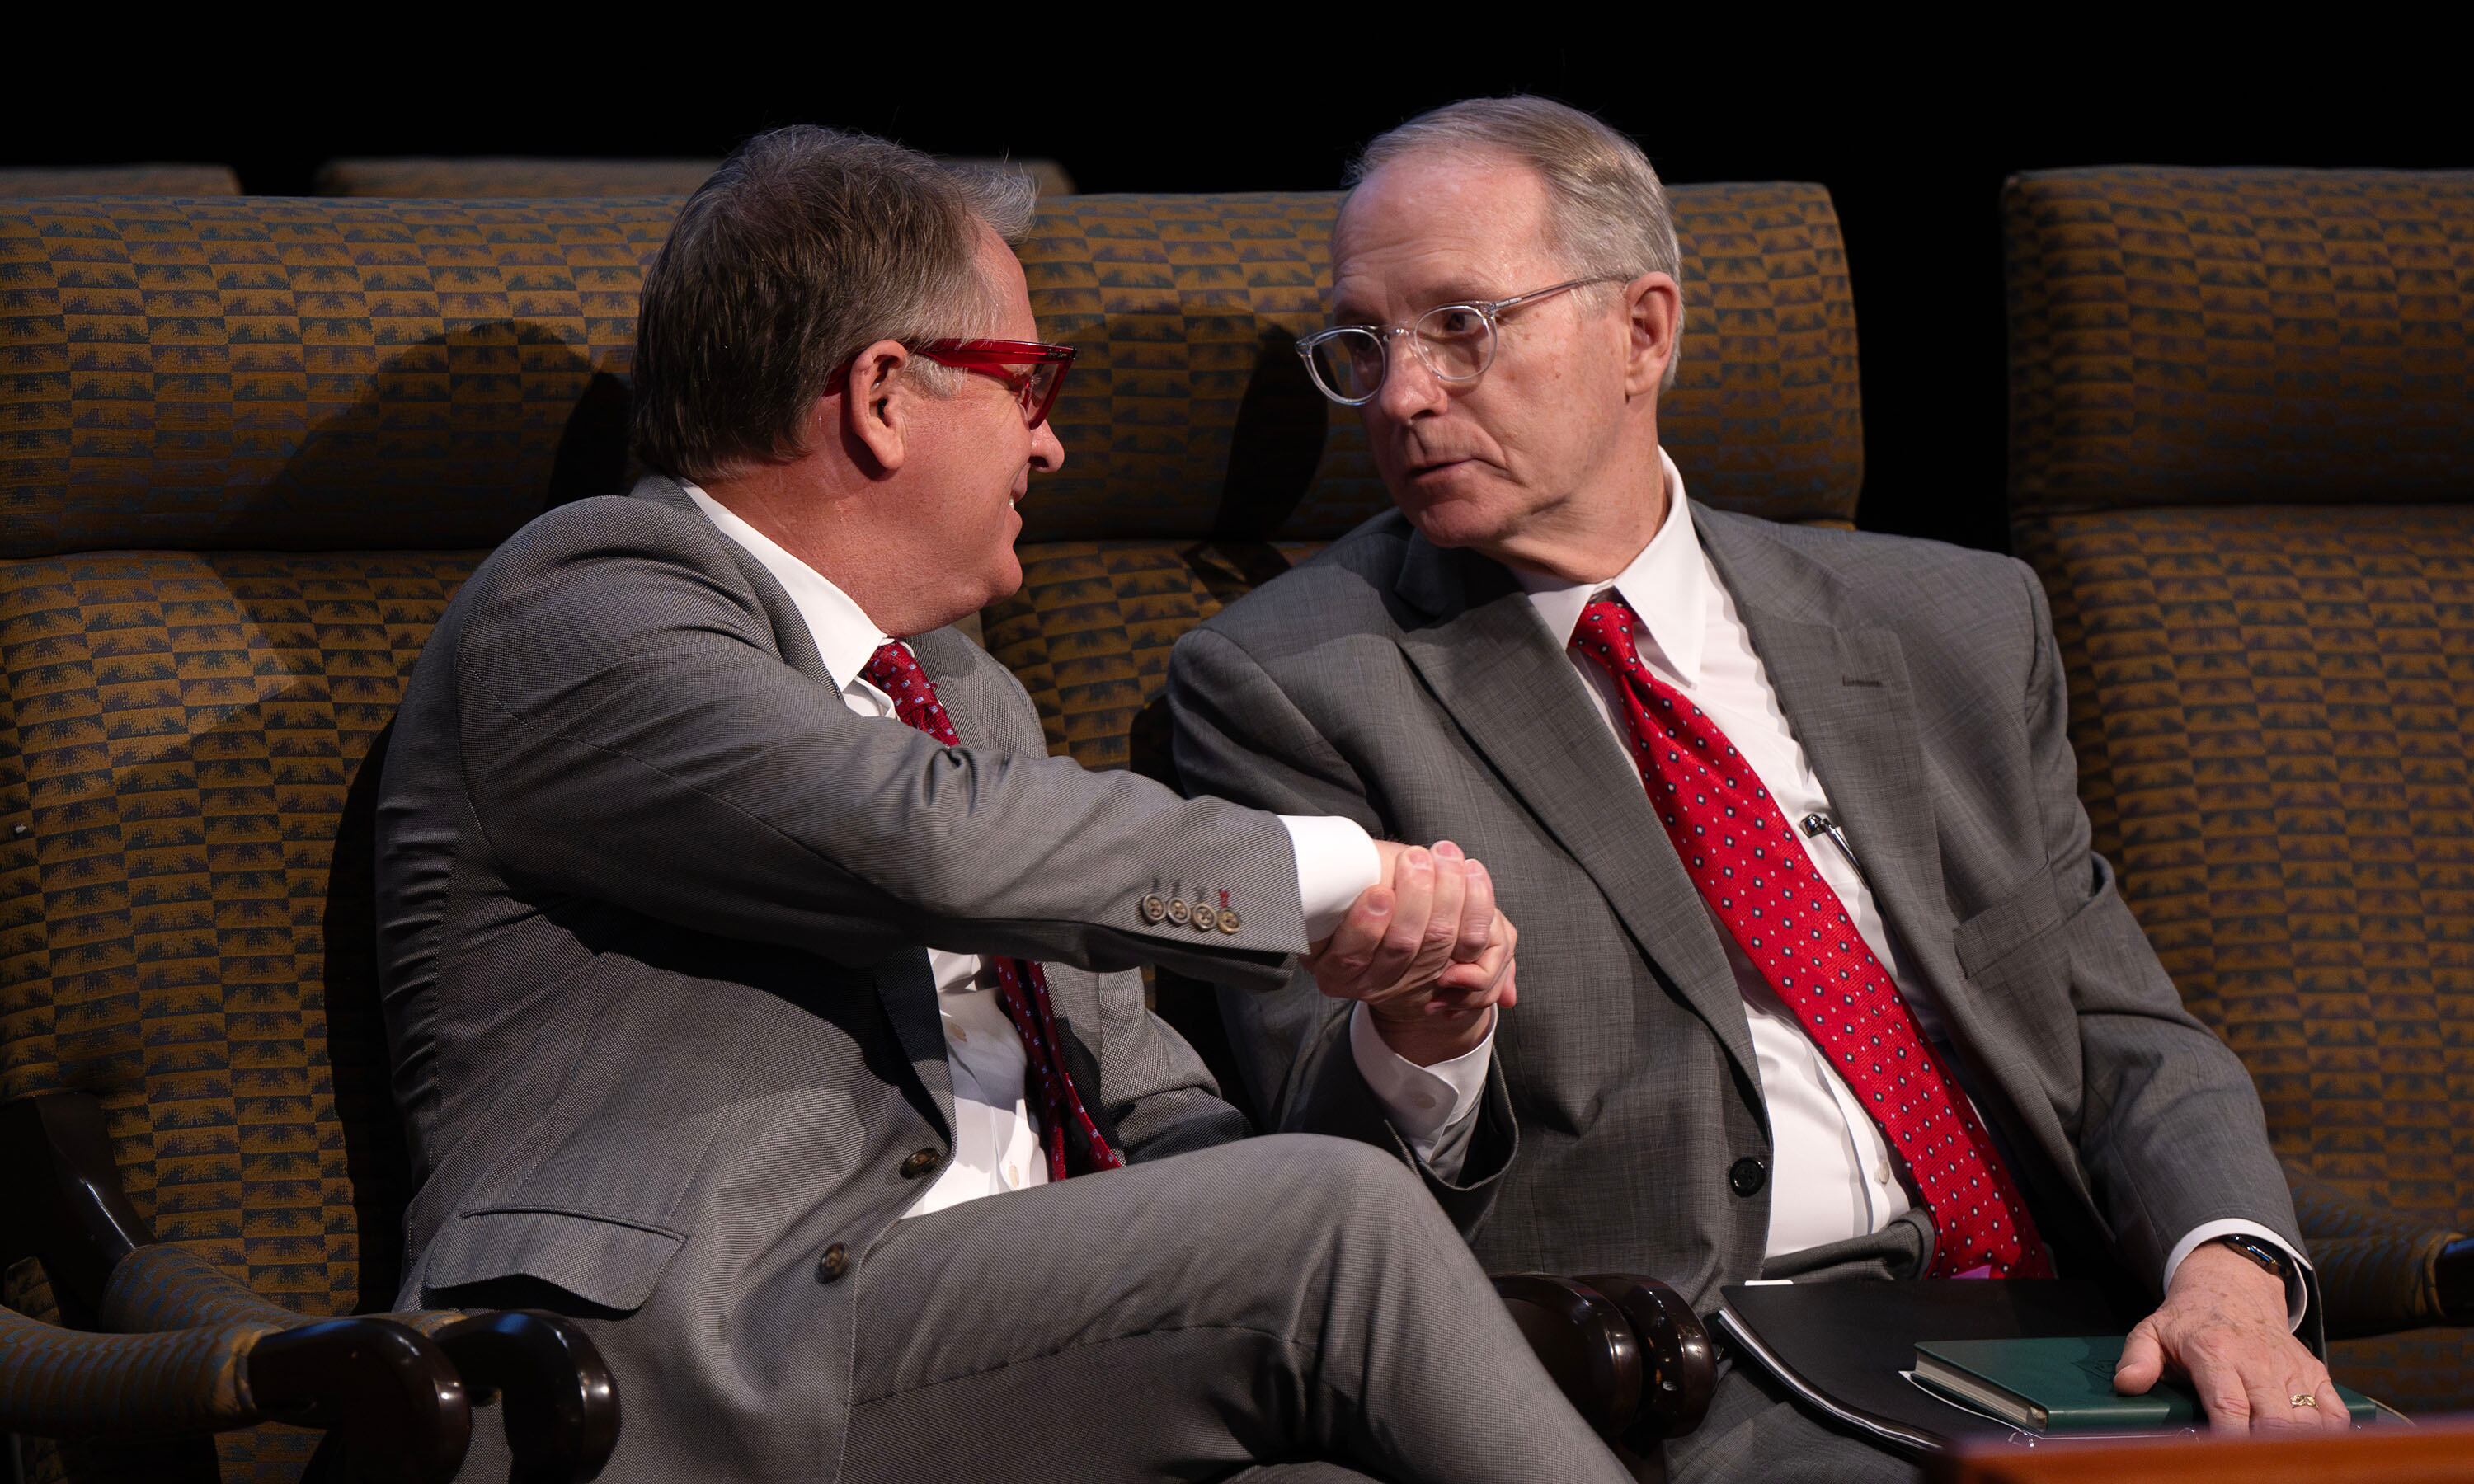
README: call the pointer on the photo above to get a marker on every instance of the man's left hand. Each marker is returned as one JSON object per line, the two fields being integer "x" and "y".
{"x": 2224, "y": 1325}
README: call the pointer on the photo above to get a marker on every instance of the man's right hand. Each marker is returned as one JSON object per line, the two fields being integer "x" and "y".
{"x": 1426, "y": 949}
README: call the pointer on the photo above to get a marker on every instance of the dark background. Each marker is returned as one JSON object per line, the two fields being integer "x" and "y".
{"x": 1912, "y": 137}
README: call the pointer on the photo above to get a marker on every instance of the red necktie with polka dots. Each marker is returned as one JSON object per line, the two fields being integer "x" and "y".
{"x": 1742, "y": 853}
{"x": 1021, "y": 988}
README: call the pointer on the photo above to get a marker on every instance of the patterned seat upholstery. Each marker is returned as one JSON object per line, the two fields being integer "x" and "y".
{"x": 517, "y": 176}
{"x": 2243, "y": 461}
{"x": 249, "y": 448}
{"x": 386, "y": 389}
{"x": 119, "y": 180}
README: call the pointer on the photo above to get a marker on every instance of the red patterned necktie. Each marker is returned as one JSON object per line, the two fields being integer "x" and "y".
{"x": 1744, "y": 857}
{"x": 1021, "y": 988}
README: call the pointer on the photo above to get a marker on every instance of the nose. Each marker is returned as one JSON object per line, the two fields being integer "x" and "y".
{"x": 1410, "y": 386}
{"x": 1047, "y": 449}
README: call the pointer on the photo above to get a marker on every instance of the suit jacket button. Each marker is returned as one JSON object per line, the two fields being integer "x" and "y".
{"x": 834, "y": 1263}
{"x": 1178, "y": 912}
{"x": 1207, "y": 919}
{"x": 1746, "y": 1175}
{"x": 1228, "y": 920}
{"x": 1153, "y": 908}
{"x": 920, "y": 1163}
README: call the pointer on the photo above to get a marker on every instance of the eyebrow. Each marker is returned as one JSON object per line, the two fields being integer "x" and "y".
{"x": 1452, "y": 292}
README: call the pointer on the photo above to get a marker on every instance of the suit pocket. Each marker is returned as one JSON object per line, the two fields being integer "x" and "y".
{"x": 604, "y": 1260}
{"x": 1989, "y": 936}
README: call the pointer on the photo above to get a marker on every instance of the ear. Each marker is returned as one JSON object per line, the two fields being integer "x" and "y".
{"x": 877, "y": 403}
{"x": 1654, "y": 320}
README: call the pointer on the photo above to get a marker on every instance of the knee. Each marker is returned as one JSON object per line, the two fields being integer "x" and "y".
{"x": 1347, "y": 1178}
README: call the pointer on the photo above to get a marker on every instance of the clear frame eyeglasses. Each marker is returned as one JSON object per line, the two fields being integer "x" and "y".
{"x": 1456, "y": 342}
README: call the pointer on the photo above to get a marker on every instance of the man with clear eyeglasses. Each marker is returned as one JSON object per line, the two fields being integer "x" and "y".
{"x": 1674, "y": 733}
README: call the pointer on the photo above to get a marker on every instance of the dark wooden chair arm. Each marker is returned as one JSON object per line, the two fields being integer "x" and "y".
{"x": 393, "y": 1392}
{"x": 1627, "y": 1352}
{"x": 561, "y": 1403}
{"x": 176, "y": 1318}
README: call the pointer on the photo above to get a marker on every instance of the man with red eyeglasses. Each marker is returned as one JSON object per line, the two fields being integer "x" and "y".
{"x": 759, "y": 989}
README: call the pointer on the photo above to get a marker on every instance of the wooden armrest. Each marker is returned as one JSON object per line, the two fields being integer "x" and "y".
{"x": 1679, "y": 1365}
{"x": 1627, "y": 1352}
{"x": 171, "y": 1313}
{"x": 390, "y": 1391}
{"x": 561, "y": 1403}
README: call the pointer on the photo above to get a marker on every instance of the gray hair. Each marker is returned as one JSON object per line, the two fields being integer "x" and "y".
{"x": 1606, "y": 213}
{"x": 805, "y": 248}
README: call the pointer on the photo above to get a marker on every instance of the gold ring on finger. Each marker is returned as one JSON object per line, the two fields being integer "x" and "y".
{"x": 2305, "y": 1398}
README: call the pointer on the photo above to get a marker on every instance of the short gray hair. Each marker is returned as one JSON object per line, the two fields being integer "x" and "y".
{"x": 805, "y": 248}
{"x": 1607, "y": 212}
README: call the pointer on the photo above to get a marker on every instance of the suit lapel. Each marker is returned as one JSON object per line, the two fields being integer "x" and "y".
{"x": 1844, "y": 686}
{"x": 904, "y": 983}
{"x": 1490, "y": 664}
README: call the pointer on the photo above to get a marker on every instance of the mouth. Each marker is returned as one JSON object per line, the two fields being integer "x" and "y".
{"x": 1430, "y": 468}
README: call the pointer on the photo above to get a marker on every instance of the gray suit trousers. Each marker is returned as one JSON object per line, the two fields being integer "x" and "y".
{"x": 1288, "y": 1298}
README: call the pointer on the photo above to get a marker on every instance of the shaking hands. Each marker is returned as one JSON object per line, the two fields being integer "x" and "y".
{"x": 1426, "y": 951}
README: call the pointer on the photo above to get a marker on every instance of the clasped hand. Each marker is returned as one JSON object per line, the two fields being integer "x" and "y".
{"x": 1426, "y": 951}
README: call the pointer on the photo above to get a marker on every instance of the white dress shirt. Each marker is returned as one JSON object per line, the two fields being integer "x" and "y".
{"x": 1832, "y": 1177}
{"x": 996, "y": 1134}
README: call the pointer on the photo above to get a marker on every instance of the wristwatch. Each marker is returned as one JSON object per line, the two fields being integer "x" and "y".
{"x": 2260, "y": 1253}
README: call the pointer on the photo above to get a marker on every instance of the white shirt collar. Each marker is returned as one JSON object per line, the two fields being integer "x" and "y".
{"x": 846, "y": 639}
{"x": 1666, "y": 583}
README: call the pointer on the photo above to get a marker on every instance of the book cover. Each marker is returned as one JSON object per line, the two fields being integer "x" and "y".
{"x": 2065, "y": 1385}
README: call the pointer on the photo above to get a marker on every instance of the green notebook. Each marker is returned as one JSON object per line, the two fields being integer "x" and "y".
{"x": 2065, "y": 1385}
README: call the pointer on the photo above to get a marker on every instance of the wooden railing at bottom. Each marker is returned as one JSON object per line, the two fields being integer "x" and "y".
{"x": 2440, "y": 1451}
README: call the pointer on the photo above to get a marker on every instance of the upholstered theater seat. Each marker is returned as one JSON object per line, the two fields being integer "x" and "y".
{"x": 2243, "y": 461}
{"x": 248, "y": 451}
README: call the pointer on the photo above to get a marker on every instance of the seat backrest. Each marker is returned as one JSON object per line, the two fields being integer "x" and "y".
{"x": 119, "y": 180}
{"x": 2242, "y": 408}
{"x": 187, "y": 710}
{"x": 483, "y": 175}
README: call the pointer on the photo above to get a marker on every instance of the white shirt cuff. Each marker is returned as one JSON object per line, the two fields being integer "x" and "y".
{"x": 1423, "y": 1102}
{"x": 1336, "y": 861}
{"x": 2296, "y": 1295}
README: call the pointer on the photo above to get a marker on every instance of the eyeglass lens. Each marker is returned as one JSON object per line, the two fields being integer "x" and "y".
{"x": 1039, "y": 389}
{"x": 1455, "y": 341}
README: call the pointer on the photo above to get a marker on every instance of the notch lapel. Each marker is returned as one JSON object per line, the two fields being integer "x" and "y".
{"x": 1490, "y": 663}
{"x": 1844, "y": 686}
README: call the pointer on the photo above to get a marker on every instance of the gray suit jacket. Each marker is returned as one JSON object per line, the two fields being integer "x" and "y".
{"x": 1417, "y": 691}
{"x": 653, "y": 911}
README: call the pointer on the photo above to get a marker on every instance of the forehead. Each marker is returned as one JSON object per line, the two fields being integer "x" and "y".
{"x": 1002, "y": 273}
{"x": 1435, "y": 226}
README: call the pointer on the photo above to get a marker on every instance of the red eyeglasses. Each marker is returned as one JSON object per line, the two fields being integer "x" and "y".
{"x": 1035, "y": 372}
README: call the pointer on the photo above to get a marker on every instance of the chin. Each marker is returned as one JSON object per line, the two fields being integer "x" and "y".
{"x": 1450, "y": 522}
{"x": 1004, "y": 580}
